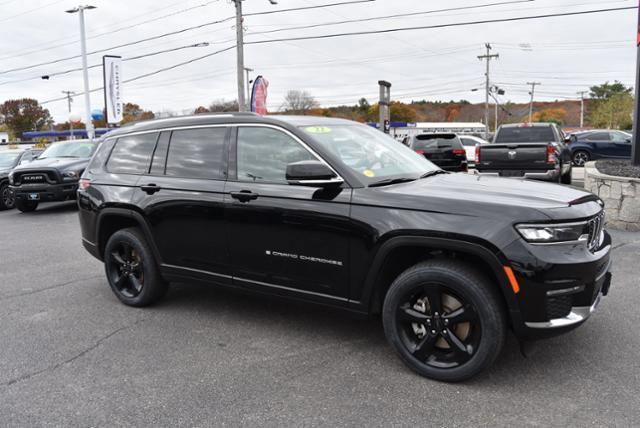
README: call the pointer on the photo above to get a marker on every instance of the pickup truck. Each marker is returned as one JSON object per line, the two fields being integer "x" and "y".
{"x": 527, "y": 150}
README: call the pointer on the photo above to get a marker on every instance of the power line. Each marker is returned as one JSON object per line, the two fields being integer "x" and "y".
{"x": 429, "y": 27}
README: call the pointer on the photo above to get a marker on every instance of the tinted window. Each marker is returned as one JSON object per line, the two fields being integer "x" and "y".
{"x": 263, "y": 154}
{"x": 100, "y": 156}
{"x": 132, "y": 154}
{"x": 468, "y": 142}
{"x": 439, "y": 141}
{"x": 532, "y": 134}
{"x": 196, "y": 153}
{"x": 619, "y": 137}
{"x": 598, "y": 136}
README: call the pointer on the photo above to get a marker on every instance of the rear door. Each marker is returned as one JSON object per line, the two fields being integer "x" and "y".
{"x": 286, "y": 239}
{"x": 182, "y": 198}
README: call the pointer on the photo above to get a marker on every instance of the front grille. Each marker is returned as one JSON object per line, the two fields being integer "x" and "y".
{"x": 35, "y": 177}
{"x": 594, "y": 229}
{"x": 558, "y": 306}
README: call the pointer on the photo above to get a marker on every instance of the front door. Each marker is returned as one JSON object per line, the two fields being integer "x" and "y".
{"x": 622, "y": 144}
{"x": 287, "y": 239}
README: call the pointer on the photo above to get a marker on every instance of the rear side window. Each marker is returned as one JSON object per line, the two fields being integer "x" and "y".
{"x": 132, "y": 154}
{"x": 197, "y": 153}
{"x": 532, "y": 134}
{"x": 468, "y": 142}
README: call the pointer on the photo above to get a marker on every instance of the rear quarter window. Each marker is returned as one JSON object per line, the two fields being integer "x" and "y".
{"x": 100, "y": 156}
{"x": 132, "y": 154}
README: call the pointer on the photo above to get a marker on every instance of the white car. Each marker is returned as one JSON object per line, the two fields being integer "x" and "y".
{"x": 469, "y": 142}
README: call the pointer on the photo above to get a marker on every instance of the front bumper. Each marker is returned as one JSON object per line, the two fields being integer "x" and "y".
{"x": 45, "y": 192}
{"x": 560, "y": 285}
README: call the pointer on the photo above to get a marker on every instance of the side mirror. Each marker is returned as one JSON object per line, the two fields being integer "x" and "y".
{"x": 312, "y": 173}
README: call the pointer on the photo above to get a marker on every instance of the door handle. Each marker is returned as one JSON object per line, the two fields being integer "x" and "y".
{"x": 150, "y": 188}
{"x": 244, "y": 195}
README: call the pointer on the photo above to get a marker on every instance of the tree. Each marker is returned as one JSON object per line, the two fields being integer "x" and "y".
{"x": 298, "y": 102}
{"x": 25, "y": 114}
{"x": 201, "y": 110}
{"x": 363, "y": 105}
{"x": 607, "y": 90}
{"x": 222, "y": 105}
{"x": 555, "y": 115}
{"x": 612, "y": 106}
{"x": 134, "y": 113}
{"x": 398, "y": 111}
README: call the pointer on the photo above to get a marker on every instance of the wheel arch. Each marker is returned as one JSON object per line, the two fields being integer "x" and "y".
{"x": 399, "y": 253}
{"x": 110, "y": 220}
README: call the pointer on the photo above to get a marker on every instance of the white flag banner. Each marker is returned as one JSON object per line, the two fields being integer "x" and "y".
{"x": 112, "y": 72}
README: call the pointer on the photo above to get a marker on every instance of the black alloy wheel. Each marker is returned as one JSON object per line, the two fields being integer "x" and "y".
{"x": 132, "y": 270}
{"x": 7, "y": 198}
{"x": 445, "y": 319}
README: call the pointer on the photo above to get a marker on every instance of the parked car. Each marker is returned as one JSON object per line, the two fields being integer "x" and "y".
{"x": 9, "y": 159}
{"x": 599, "y": 144}
{"x": 445, "y": 150}
{"x": 53, "y": 176}
{"x": 470, "y": 142}
{"x": 334, "y": 212}
{"x": 527, "y": 150}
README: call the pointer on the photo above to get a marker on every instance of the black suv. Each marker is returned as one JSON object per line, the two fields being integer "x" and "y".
{"x": 337, "y": 213}
{"x": 53, "y": 176}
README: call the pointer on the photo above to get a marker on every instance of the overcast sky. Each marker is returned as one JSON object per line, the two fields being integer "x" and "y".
{"x": 565, "y": 54}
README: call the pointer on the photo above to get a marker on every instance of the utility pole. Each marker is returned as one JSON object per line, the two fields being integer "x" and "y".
{"x": 240, "y": 55}
{"x": 488, "y": 56}
{"x": 635, "y": 148}
{"x": 383, "y": 105}
{"x": 581, "y": 93}
{"x": 69, "y": 101}
{"x": 247, "y": 70}
{"x": 533, "y": 91}
{"x": 85, "y": 70}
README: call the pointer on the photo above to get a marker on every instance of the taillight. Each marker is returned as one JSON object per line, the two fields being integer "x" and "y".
{"x": 477, "y": 153}
{"x": 551, "y": 154}
{"x": 420, "y": 152}
{"x": 459, "y": 151}
{"x": 84, "y": 183}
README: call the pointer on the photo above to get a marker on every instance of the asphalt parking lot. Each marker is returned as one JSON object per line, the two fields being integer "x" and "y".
{"x": 72, "y": 355}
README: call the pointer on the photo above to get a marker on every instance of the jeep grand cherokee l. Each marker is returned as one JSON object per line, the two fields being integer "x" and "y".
{"x": 335, "y": 212}
{"x": 53, "y": 176}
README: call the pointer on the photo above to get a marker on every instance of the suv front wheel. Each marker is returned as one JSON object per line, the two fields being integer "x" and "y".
{"x": 445, "y": 320}
{"x": 132, "y": 270}
{"x": 26, "y": 206}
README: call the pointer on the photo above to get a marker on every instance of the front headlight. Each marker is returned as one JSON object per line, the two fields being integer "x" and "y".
{"x": 70, "y": 174}
{"x": 11, "y": 178}
{"x": 549, "y": 233}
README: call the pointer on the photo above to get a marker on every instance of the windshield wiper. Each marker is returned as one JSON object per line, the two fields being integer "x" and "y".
{"x": 434, "y": 172}
{"x": 389, "y": 181}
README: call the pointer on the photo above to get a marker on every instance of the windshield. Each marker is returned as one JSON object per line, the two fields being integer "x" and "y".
{"x": 69, "y": 149}
{"x": 7, "y": 160}
{"x": 370, "y": 153}
{"x": 436, "y": 141}
{"x": 531, "y": 134}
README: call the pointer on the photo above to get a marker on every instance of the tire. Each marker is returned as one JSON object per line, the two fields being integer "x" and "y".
{"x": 131, "y": 269}
{"x": 7, "y": 198}
{"x": 26, "y": 206}
{"x": 580, "y": 157}
{"x": 414, "y": 295}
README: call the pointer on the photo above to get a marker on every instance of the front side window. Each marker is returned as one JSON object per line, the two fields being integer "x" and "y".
{"x": 371, "y": 154}
{"x": 264, "y": 153}
{"x": 132, "y": 154}
{"x": 8, "y": 159}
{"x": 598, "y": 136}
{"x": 197, "y": 153}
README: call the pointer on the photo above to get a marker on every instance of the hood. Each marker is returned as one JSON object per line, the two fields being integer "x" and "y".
{"x": 474, "y": 195}
{"x": 4, "y": 172}
{"x": 57, "y": 163}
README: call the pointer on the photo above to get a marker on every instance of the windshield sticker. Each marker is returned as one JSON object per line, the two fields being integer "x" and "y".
{"x": 369, "y": 173}
{"x": 318, "y": 129}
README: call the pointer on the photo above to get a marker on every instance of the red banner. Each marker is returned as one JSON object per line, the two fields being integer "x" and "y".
{"x": 259, "y": 95}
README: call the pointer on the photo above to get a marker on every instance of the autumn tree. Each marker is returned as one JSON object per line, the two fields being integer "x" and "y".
{"x": 298, "y": 102}
{"x": 134, "y": 113}
{"x": 554, "y": 115}
{"x": 398, "y": 111}
{"x": 222, "y": 105}
{"x": 22, "y": 115}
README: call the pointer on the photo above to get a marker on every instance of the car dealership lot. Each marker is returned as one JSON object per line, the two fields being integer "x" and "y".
{"x": 71, "y": 354}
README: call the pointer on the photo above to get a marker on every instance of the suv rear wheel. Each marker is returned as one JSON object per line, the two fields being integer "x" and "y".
{"x": 26, "y": 206}
{"x": 580, "y": 157}
{"x": 132, "y": 270}
{"x": 445, "y": 320}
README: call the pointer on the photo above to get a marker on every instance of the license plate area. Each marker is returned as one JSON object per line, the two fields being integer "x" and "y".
{"x": 34, "y": 196}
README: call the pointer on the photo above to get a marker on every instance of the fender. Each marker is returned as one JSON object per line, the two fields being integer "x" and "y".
{"x": 493, "y": 259}
{"x": 131, "y": 214}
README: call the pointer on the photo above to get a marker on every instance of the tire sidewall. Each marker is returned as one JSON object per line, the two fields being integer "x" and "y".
{"x": 25, "y": 206}
{"x": 4, "y": 187}
{"x": 491, "y": 321}
{"x": 152, "y": 280}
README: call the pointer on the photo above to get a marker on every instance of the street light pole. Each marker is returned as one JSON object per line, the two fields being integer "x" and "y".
{"x": 533, "y": 91}
{"x": 85, "y": 71}
{"x": 488, "y": 57}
